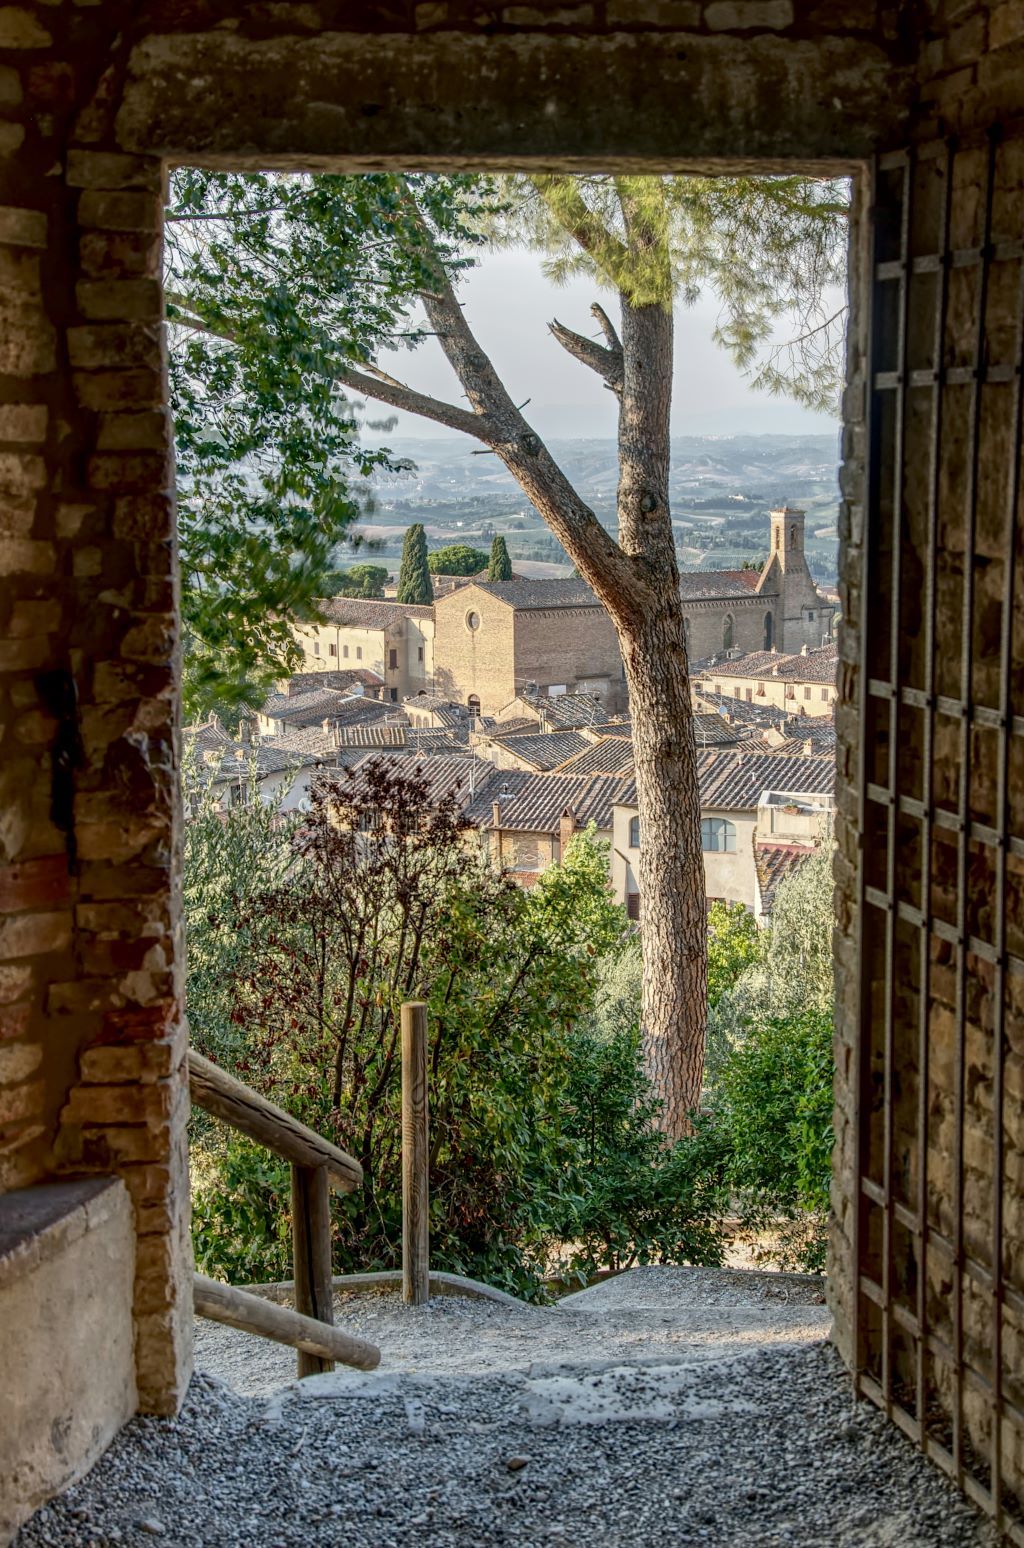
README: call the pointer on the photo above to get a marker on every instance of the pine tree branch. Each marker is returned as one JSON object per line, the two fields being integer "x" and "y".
{"x": 608, "y": 363}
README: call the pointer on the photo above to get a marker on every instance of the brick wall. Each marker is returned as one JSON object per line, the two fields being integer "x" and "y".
{"x": 478, "y": 660}
{"x": 92, "y": 1036}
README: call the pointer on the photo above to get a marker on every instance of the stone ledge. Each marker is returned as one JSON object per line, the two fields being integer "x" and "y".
{"x": 38, "y": 1223}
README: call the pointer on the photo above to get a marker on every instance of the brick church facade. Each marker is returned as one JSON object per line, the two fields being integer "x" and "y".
{"x": 494, "y": 640}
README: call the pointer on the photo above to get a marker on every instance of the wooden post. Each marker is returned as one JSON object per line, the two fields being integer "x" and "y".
{"x": 311, "y": 1255}
{"x": 415, "y": 1157}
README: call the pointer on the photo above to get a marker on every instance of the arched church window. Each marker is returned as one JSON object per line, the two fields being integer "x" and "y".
{"x": 769, "y": 631}
{"x": 727, "y": 632}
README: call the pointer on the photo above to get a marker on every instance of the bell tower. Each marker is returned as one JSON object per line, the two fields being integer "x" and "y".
{"x": 787, "y": 538}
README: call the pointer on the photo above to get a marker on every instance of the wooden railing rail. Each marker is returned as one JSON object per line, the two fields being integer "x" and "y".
{"x": 219, "y": 1093}
{"x": 254, "y": 1314}
{"x": 317, "y": 1167}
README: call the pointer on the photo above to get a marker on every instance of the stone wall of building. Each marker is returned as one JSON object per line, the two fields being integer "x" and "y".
{"x": 474, "y": 649}
{"x": 570, "y": 648}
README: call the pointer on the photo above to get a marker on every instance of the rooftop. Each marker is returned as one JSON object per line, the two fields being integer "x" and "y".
{"x": 812, "y": 666}
{"x": 712, "y": 585}
{"x": 536, "y": 803}
{"x": 354, "y": 611}
{"x": 610, "y": 755}
{"x": 734, "y": 780}
{"x": 545, "y": 749}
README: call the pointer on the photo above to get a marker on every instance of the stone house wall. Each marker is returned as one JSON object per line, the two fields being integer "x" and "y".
{"x": 788, "y": 694}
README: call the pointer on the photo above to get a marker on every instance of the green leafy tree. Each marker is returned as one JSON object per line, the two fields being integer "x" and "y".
{"x": 770, "y": 249}
{"x": 359, "y": 580}
{"x": 457, "y": 559}
{"x": 771, "y": 1069}
{"x": 733, "y": 944}
{"x": 499, "y": 567}
{"x": 275, "y": 285}
{"x": 414, "y": 583}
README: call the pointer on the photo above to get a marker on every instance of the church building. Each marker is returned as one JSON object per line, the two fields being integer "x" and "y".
{"x": 493, "y": 641}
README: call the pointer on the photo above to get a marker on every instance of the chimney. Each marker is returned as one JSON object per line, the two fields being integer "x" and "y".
{"x": 803, "y": 650}
{"x": 566, "y": 829}
{"x": 808, "y": 748}
{"x": 495, "y": 814}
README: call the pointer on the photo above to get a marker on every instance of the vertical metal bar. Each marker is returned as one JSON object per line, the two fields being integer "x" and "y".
{"x": 863, "y": 1016}
{"x": 311, "y": 1255}
{"x": 927, "y": 749}
{"x": 896, "y": 526}
{"x": 964, "y": 812}
{"x": 1002, "y": 831}
{"x": 415, "y": 1156}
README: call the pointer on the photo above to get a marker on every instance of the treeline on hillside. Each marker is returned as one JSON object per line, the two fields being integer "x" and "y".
{"x": 306, "y": 932}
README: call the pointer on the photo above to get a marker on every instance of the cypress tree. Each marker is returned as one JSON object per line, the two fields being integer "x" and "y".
{"x": 414, "y": 583}
{"x": 500, "y": 566}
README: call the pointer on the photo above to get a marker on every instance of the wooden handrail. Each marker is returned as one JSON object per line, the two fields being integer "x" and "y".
{"x": 254, "y": 1314}
{"x": 219, "y": 1093}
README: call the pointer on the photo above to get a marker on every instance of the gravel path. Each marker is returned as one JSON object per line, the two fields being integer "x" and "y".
{"x": 650, "y": 1314}
{"x": 652, "y": 1432}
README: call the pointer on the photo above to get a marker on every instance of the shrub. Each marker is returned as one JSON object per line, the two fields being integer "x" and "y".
{"x": 775, "y": 1108}
{"x": 386, "y": 899}
{"x": 637, "y": 1200}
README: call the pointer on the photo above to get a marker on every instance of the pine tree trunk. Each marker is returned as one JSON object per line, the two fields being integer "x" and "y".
{"x": 673, "y": 919}
{"x": 673, "y": 912}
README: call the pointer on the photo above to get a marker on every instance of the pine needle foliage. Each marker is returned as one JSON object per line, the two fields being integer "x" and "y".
{"x": 772, "y": 250}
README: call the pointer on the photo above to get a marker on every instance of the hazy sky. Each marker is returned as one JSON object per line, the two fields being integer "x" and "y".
{"x": 509, "y": 303}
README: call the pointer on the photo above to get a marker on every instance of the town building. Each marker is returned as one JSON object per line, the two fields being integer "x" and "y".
{"x": 496, "y": 640}
{"x": 800, "y": 684}
{"x": 394, "y": 640}
{"x": 746, "y": 799}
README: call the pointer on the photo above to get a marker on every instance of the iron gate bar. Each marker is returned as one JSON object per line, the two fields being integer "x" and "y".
{"x": 1003, "y": 836}
{"x": 863, "y": 1009}
{"x": 895, "y": 583}
{"x": 928, "y": 805}
{"x": 963, "y": 807}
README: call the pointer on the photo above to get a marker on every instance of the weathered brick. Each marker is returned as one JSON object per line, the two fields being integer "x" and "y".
{"x": 120, "y": 211}
{"x": 149, "y": 431}
{"x": 748, "y": 15}
{"x": 22, "y": 228}
{"x": 109, "y": 391}
{"x": 33, "y": 884}
{"x": 114, "y": 346}
{"x": 120, "y": 298}
{"x": 21, "y": 472}
{"x": 30, "y": 619}
{"x": 680, "y": 14}
{"x": 28, "y": 343}
{"x": 119, "y": 253}
{"x": 138, "y": 1062}
{"x": 21, "y": 555}
{"x": 21, "y": 28}
{"x": 20, "y": 1103}
{"x": 92, "y": 1106}
{"x": 18, "y": 1061}
{"x": 23, "y": 422}
{"x": 30, "y": 935}
{"x": 1006, "y": 24}
{"x": 114, "y": 471}
{"x": 113, "y": 170}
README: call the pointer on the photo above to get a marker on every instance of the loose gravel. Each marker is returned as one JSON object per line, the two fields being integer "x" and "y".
{"x": 660, "y": 1441}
